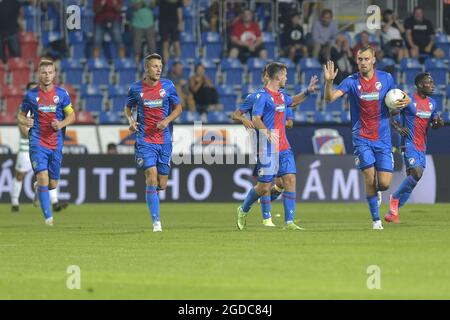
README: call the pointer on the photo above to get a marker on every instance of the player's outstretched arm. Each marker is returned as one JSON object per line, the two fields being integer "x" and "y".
{"x": 23, "y": 120}
{"x": 330, "y": 74}
{"x": 302, "y": 96}
{"x": 129, "y": 116}
{"x": 176, "y": 112}
{"x": 237, "y": 115}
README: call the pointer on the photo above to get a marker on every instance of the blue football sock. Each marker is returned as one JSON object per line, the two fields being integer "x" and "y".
{"x": 407, "y": 185}
{"x": 289, "y": 206}
{"x": 44, "y": 200}
{"x": 403, "y": 198}
{"x": 151, "y": 196}
{"x": 252, "y": 196}
{"x": 373, "y": 207}
{"x": 265, "y": 207}
{"x": 274, "y": 194}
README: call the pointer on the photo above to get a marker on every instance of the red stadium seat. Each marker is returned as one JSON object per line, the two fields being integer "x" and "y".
{"x": 20, "y": 71}
{"x": 12, "y": 99}
{"x": 29, "y": 45}
{"x": 84, "y": 117}
{"x": 2, "y": 73}
{"x": 8, "y": 118}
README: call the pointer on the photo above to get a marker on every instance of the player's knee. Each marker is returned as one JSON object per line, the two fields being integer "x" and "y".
{"x": 162, "y": 185}
{"x": 289, "y": 181}
{"x": 383, "y": 186}
{"x": 416, "y": 174}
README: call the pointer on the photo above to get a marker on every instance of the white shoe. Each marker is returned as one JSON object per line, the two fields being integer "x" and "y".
{"x": 268, "y": 223}
{"x": 377, "y": 225}
{"x": 49, "y": 221}
{"x": 157, "y": 227}
{"x": 379, "y": 198}
{"x": 36, "y": 196}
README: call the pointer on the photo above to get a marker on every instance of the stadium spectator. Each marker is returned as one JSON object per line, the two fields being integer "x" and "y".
{"x": 112, "y": 148}
{"x": 210, "y": 18}
{"x": 246, "y": 40}
{"x": 392, "y": 37}
{"x": 143, "y": 28}
{"x": 10, "y": 13}
{"x": 170, "y": 26}
{"x": 293, "y": 39}
{"x": 53, "y": 39}
{"x": 364, "y": 42}
{"x": 107, "y": 20}
{"x": 447, "y": 16}
{"x": 204, "y": 91}
{"x": 324, "y": 32}
{"x": 420, "y": 36}
{"x": 182, "y": 85}
{"x": 341, "y": 55}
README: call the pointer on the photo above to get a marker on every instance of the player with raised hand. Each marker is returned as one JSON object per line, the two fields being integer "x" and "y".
{"x": 51, "y": 112}
{"x": 275, "y": 157}
{"x": 158, "y": 105}
{"x": 371, "y": 135}
{"x": 417, "y": 117}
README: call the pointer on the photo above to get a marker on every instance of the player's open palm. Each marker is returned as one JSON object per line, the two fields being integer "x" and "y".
{"x": 329, "y": 72}
{"x": 313, "y": 83}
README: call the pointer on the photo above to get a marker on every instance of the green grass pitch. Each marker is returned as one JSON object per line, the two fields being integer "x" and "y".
{"x": 201, "y": 255}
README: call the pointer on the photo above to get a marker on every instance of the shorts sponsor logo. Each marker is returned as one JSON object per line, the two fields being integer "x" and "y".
{"x": 357, "y": 161}
{"x": 140, "y": 162}
{"x": 411, "y": 161}
{"x": 34, "y": 164}
{"x": 260, "y": 172}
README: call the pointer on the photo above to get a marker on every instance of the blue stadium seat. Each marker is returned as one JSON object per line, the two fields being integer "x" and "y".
{"x": 411, "y": 67}
{"x": 99, "y": 70}
{"x": 247, "y": 89}
{"x": 438, "y": 70}
{"x": 300, "y": 116}
{"x": 227, "y": 97}
{"x": 30, "y": 13}
{"x": 323, "y": 117}
{"x": 189, "y": 19}
{"x": 270, "y": 44}
{"x": 111, "y": 117}
{"x": 443, "y": 42}
{"x": 87, "y": 20}
{"x": 77, "y": 44}
{"x": 125, "y": 70}
{"x": 72, "y": 71}
{"x": 233, "y": 71}
{"x": 310, "y": 104}
{"x": 337, "y": 105}
{"x": 118, "y": 96}
{"x": 93, "y": 98}
{"x": 189, "y": 117}
{"x": 254, "y": 67}
{"x": 345, "y": 116}
{"x": 218, "y": 117}
{"x": 308, "y": 68}
{"x": 212, "y": 45}
{"x": 188, "y": 45}
{"x": 292, "y": 71}
{"x": 210, "y": 68}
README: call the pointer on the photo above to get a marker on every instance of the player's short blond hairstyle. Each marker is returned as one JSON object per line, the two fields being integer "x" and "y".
{"x": 46, "y": 62}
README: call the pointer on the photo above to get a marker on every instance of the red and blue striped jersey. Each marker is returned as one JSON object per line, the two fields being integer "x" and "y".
{"x": 153, "y": 105}
{"x": 369, "y": 114}
{"x": 271, "y": 107}
{"x": 46, "y": 107}
{"x": 417, "y": 117}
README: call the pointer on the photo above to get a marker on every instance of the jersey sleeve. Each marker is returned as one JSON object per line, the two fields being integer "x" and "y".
{"x": 390, "y": 82}
{"x": 434, "y": 113}
{"x": 25, "y": 106}
{"x": 287, "y": 100}
{"x": 345, "y": 85}
{"x": 131, "y": 100}
{"x": 260, "y": 103}
{"x": 173, "y": 95}
{"x": 289, "y": 114}
{"x": 245, "y": 105}
{"x": 66, "y": 103}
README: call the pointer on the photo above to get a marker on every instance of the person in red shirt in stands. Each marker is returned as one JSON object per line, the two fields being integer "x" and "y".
{"x": 246, "y": 40}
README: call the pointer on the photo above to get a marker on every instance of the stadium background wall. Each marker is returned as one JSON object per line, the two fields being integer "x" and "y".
{"x": 102, "y": 178}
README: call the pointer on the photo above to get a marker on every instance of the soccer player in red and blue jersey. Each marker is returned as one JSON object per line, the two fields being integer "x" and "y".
{"x": 417, "y": 117}
{"x": 371, "y": 135}
{"x": 275, "y": 157}
{"x": 51, "y": 112}
{"x": 158, "y": 105}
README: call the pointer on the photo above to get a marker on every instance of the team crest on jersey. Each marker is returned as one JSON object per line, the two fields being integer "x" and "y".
{"x": 411, "y": 161}
{"x": 430, "y": 106}
{"x": 357, "y": 161}
{"x": 34, "y": 164}
{"x": 378, "y": 85}
{"x": 260, "y": 172}
{"x": 140, "y": 162}
{"x": 55, "y": 99}
{"x": 162, "y": 93}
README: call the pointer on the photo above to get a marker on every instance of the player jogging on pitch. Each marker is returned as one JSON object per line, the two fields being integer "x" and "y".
{"x": 51, "y": 112}
{"x": 417, "y": 117}
{"x": 371, "y": 133}
{"x": 157, "y": 104}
